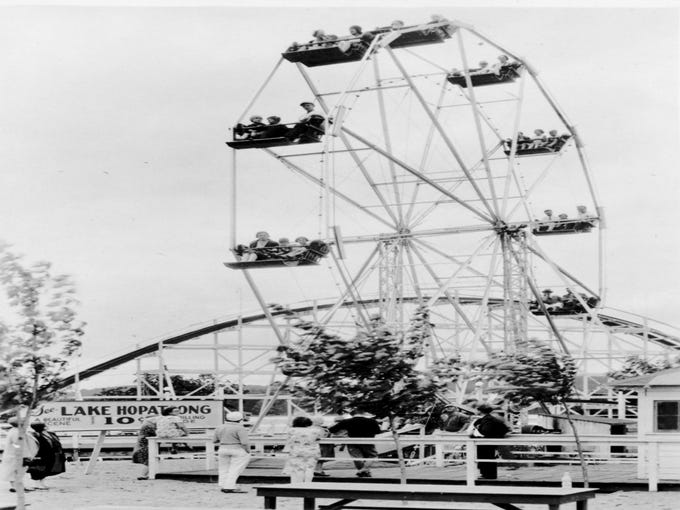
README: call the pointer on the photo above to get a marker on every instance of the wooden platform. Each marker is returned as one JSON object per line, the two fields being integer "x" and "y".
{"x": 607, "y": 478}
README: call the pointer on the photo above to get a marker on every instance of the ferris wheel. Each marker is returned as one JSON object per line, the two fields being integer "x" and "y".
{"x": 431, "y": 167}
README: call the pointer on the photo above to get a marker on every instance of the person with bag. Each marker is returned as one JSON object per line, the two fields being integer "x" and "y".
{"x": 488, "y": 426}
{"x": 50, "y": 459}
{"x": 140, "y": 453}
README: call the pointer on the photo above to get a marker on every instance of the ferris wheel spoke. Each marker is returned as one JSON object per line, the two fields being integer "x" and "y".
{"x": 426, "y": 152}
{"x": 538, "y": 298}
{"x": 442, "y": 133}
{"x": 263, "y": 305}
{"x": 513, "y": 153}
{"x": 259, "y": 91}
{"x": 440, "y": 200}
{"x": 418, "y": 174}
{"x": 561, "y": 270}
{"x": 350, "y": 290}
{"x": 561, "y": 274}
{"x": 354, "y": 284}
{"x": 332, "y": 189}
{"x": 388, "y": 142}
{"x": 343, "y": 138}
{"x": 478, "y": 125}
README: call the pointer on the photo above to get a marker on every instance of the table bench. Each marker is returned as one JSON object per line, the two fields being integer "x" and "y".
{"x": 504, "y": 497}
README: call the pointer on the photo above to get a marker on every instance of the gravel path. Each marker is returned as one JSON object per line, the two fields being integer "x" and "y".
{"x": 113, "y": 485}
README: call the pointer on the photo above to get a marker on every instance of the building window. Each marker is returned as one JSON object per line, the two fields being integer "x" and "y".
{"x": 667, "y": 416}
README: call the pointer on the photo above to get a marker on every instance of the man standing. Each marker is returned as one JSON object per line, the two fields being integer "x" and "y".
{"x": 493, "y": 427}
{"x": 234, "y": 452}
{"x": 360, "y": 425}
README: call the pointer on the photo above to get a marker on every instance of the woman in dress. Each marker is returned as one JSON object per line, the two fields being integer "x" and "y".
{"x": 50, "y": 459}
{"x": 303, "y": 442}
{"x": 140, "y": 454}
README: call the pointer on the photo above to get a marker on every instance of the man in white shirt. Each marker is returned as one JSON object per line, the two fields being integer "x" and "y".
{"x": 309, "y": 127}
{"x": 234, "y": 451}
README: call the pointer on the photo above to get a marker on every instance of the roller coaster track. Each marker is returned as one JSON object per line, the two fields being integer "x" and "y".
{"x": 616, "y": 325}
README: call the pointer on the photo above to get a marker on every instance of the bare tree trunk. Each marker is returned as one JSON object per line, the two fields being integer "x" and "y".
{"x": 19, "y": 470}
{"x": 400, "y": 455}
{"x": 579, "y": 448}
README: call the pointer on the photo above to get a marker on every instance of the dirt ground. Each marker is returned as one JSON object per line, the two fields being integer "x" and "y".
{"x": 113, "y": 485}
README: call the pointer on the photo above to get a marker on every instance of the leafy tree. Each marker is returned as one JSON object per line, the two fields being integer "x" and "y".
{"x": 634, "y": 366}
{"x": 375, "y": 371}
{"x": 535, "y": 373}
{"x": 39, "y": 334}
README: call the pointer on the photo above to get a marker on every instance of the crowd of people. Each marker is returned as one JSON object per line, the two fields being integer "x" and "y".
{"x": 308, "y": 129}
{"x": 40, "y": 453}
{"x": 567, "y": 304}
{"x": 264, "y": 248}
{"x": 43, "y": 456}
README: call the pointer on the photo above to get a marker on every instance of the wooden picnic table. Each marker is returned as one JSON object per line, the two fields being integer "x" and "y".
{"x": 504, "y": 497}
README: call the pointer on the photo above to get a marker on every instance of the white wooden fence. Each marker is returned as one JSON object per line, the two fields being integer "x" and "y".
{"x": 458, "y": 448}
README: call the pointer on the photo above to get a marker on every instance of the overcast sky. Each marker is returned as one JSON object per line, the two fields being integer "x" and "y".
{"x": 114, "y": 168}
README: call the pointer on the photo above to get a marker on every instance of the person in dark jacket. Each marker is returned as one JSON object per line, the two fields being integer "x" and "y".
{"x": 255, "y": 252}
{"x": 50, "y": 459}
{"x": 492, "y": 427}
{"x": 359, "y": 425}
{"x": 274, "y": 128}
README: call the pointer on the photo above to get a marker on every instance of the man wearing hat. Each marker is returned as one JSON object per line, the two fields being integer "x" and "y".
{"x": 309, "y": 127}
{"x": 234, "y": 452}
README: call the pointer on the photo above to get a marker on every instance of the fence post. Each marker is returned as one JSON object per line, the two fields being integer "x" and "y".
{"x": 653, "y": 465}
{"x": 209, "y": 454}
{"x": 153, "y": 458}
{"x": 438, "y": 452}
{"x": 470, "y": 463}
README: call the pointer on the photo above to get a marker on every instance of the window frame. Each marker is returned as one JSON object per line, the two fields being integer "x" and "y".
{"x": 656, "y": 416}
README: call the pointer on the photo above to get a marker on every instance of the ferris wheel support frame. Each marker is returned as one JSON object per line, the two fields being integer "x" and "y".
{"x": 407, "y": 240}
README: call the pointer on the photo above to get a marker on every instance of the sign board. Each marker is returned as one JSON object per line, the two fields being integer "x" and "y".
{"x": 125, "y": 414}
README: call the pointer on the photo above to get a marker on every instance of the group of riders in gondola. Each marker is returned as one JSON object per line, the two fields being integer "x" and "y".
{"x": 500, "y": 68}
{"x": 307, "y": 129}
{"x": 568, "y": 304}
{"x": 264, "y": 248}
{"x": 563, "y": 223}
{"x": 552, "y": 141}
{"x": 358, "y": 41}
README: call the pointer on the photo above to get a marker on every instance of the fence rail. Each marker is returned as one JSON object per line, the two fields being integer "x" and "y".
{"x": 442, "y": 448}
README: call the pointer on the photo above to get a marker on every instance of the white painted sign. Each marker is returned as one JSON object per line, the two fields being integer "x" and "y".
{"x": 125, "y": 414}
